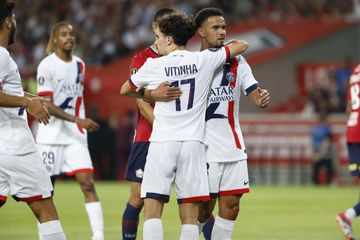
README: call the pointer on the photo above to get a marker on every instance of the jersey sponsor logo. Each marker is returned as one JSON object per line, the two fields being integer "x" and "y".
{"x": 221, "y": 94}
{"x": 139, "y": 173}
{"x": 41, "y": 80}
{"x": 75, "y": 89}
{"x": 133, "y": 71}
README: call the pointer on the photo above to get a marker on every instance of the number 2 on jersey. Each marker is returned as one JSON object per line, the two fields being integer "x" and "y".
{"x": 190, "y": 81}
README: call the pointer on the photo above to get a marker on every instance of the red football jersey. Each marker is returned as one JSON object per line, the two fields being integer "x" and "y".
{"x": 143, "y": 129}
{"x": 353, "y": 124}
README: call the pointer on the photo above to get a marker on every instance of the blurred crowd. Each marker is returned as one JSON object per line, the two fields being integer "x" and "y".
{"x": 107, "y": 29}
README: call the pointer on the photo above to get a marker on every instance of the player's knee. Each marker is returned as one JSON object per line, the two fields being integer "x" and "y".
{"x": 87, "y": 187}
{"x": 2, "y": 203}
{"x": 232, "y": 211}
{"x": 135, "y": 201}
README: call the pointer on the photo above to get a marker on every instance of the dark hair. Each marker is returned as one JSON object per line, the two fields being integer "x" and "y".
{"x": 6, "y": 9}
{"x": 205, "y": 13}
{"x": 162, "y": 12}
{"x": 180, "y": 26}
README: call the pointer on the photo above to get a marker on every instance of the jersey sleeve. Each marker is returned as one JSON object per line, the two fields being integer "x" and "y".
{"x": 247, "y": 79}
{"x": 4, "y": 65}
{"x": 136, "y": 64}
{"x": 144, "y": 76}
{"x": 45, "y": 81}
{"x": 215, "y": 57}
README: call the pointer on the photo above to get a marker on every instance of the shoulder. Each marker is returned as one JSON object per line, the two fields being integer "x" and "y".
{"x": 48, "y": 61}
{"x": 78, "y": 59}
{"x": 4, "y": 55}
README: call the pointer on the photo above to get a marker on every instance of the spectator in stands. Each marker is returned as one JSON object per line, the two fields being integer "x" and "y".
{"x": 323, "y": 150}
{"x": 342, "y": 76}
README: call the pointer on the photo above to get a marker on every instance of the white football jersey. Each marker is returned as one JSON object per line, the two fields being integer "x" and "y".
{"x": 181, "y": 119}
{"x": 15, "y": 135}
{"x": 65, "y": 82}
{"x": 223, "y": 134}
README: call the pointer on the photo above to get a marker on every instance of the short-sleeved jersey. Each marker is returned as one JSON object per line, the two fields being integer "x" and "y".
{"x": 15, "y": 135}
{"x": 223, "y": 134}
{"x": 65, "y": 82}
{"x": 143, "y": 128}
{"x": 353, "y": 124}
{"x": 181, "y": 119}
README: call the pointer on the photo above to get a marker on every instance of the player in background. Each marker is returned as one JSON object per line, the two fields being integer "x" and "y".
{"x": 226, "y": 154}
{"x": 63, "y": 142}
{"x": 177, "y": 151}
{"x": 344, "y": 219}
{"x": 21, "y": 172}
{"x": 140, "y": 146}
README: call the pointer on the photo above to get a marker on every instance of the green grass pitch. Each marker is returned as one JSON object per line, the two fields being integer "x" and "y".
{"x": 267, "y": 213}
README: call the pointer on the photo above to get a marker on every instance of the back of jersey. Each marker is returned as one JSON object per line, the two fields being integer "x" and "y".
{"x": 182, "y": 119}
{"x": 353, "y": 124}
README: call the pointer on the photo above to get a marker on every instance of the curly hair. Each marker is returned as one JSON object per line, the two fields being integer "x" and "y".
{"x": 180, "y": 26}
{"x": 6, "y": 9}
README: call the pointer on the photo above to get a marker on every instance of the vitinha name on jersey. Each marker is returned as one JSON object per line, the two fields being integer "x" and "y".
{"x": 73, "y": 89}
{"x": 221, "y": 94}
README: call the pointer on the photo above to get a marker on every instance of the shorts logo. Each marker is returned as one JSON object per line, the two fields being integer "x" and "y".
{"x": 139, "y": 173}
{"x": 41, "y": 80}
{"x": 230, "y": 77}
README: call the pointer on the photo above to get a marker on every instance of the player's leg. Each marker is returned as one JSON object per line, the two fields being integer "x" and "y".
{"x": 191, "y": 186}
{"x": 344, "y": 219}
{"x": 77, "y": 162}
{"x": 50, "y": 227}
{"x": 130, "y": 219}
{"x": 29, "y": 182}
{"x": 234, "y": 183}
{"x": 156, "y": 185}
{"x": 134, "y": 173}
{"x": 206, "y": 218}
{"x": 92, "y": 204}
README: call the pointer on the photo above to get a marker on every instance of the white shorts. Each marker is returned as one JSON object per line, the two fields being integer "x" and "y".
{"x": 69, "y": 159}
{"x": 228, "y": 178}
{"x": 24, "y": 177}
{"x": 181, "y": 163}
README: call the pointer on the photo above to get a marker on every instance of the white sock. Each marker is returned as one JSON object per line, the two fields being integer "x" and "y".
{"x": 350, "y": 213}
{"x": 52, "y": 230}
{"x": 222, "y": 229}
{"x": 153, "y": 229}
{"x": 40, "y": 236}
{"x": 189, "y": 232}
{"x": 201, "y": 226}
{"x": 95, "y": 214}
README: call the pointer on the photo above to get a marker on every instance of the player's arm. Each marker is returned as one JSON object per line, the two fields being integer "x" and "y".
{"x": 237, "y": 47}
{"x": 34, "y": 106}
{"x": 261, "y": 97}
{"x": 55, "y": 111}
{"x": 146, "y": 110}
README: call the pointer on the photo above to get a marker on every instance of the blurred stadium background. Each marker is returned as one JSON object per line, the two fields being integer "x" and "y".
{"x": 302, "y": 51}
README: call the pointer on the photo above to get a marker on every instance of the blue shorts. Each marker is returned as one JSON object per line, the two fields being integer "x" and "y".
{"x": 354, "y": 158}
{"x": 136, "y": 163}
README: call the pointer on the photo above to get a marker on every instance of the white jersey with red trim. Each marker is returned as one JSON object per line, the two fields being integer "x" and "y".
{"x": 65, "y": 82}
{"x": 223, "y": 134}
{"x": 181, "y": 119}
{"x": 15, "y": 135}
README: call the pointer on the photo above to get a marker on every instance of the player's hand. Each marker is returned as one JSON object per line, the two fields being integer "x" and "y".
{"x": 263, "y": 97}
{"x": 165, "y": 92}
{"x": 88, "y": 124}
{"x": 36, "y": 107}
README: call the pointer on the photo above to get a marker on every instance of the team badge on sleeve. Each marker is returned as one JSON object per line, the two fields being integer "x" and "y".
{"x": 41, "y": 80}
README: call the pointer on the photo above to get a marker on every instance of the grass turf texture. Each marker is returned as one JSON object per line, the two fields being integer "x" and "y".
{"x": 271, "y": 213}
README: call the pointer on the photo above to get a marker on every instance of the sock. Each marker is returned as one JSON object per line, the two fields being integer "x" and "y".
{"x": 52, "y": 230}
{"x": 350, "y": 214}
{"x": 130, "y": 222}
{"x": 200, "y": 226}
{"x": 208, "y": 227}
{"x": 95, "y": 215}
{"x": 153, "y": 229}
{"x": 357, "y": 209}
{"x": 39, "y": 232}
{"x": 222, "y": 229}
{"x": 189, "y": 232}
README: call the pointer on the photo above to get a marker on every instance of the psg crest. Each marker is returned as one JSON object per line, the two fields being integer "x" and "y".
{"x": 230, "y": 77}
